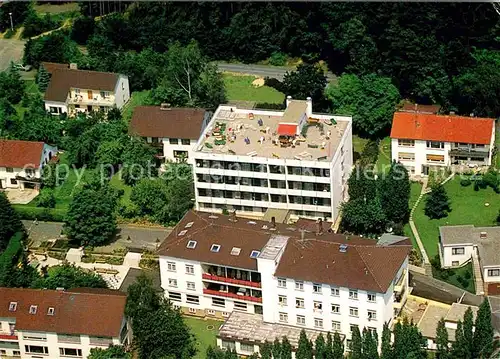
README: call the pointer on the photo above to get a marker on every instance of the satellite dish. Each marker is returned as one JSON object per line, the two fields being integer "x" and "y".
{"x": 389, "y": 229}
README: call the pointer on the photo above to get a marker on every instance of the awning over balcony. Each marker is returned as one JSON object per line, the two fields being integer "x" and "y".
{"x": 467, "y": 153}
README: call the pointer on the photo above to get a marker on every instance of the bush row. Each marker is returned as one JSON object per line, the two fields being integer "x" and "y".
{"x": 40, "y": 214}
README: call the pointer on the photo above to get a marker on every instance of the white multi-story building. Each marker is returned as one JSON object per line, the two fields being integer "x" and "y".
{"x": 460, "y": 244}
{"x": 173, "y": 131}
{"x": 71, "y": 90}
{"x": 268, "y": 275}
{"x": 254, "y": 160}
{"x": 424, "y": 141}
{"x": 44, "y": 323}
{"x": 21, "y": 163}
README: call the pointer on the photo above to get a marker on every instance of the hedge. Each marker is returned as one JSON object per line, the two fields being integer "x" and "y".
{"x": 41, "y": 214}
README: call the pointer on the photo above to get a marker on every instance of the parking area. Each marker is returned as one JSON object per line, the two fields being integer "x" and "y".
{"x": 10, "y": 50}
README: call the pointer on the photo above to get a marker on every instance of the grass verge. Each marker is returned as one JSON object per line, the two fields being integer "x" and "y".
{"x": 240, "y": 88}
{"x": 137, "y": 98}
{"x": 204, "y": 337}
{"x": 117, "y": 183}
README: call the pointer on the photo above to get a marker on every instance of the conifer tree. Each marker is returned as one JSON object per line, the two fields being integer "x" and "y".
{"x": 337, "y": 347}
{"x": 459, "y": 347}
{"x": 266, "y": 350}
{"x": 276, "y": 349}
{"x": 286, "y": 349}
{"x": 395, "y": 194}
{"x": 443, "y": 351}
{"x": 483, "y": 334}
{"x": 320, "y": 348}
{"x": 468, "y": 325}
{"x": 386, "y": 348}
{"x": 437, "y": 204}
{"x": 329, "y": 346}
{"x": 9, "y": 221}
{"x": 304, "y": 349}
{"x": 356, "y": 344}
{"x": 370, "y": 344}
{"x": 42, "y": 78}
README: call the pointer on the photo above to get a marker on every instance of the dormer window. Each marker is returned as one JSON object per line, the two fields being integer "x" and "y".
{"x": 50, "y": 311}
{"x": 191, "y": 244}
{"x": 254, "y": 254}
{"x": 33, "y": 309}
{"x": 12, "y": 306}
{"x": 215, "y": 248}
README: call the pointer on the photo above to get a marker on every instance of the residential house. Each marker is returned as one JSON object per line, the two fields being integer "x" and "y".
{"x": 173, "y": 131}
{"x": 41, "y": 323}
{"x": 254, "y": 160}
{"x": 424, "y": 142}
{"x": 268, "y": 277}
{"x": 21, "y": 163}
{"x": 71, "y": 90}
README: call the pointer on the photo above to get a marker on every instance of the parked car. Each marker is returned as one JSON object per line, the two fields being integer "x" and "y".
{"x": 22, "y": 67}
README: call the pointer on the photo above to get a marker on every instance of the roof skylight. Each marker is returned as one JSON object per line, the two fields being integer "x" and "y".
{"x": 191, "y": 244}
{"x": 215, "y": 248}
{"x": 235, "y": 251}
{"x": 189, "y": 225}
{"x": 254, "y": 254}
{"x": 183, "y": 232}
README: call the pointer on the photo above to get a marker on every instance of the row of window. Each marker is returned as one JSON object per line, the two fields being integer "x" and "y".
{"x": 318, "y": 323}
{"x": 36, "y": 349}
{"x": 172, "y": 267}
{"x": 172, "y": 283}
{"x": 318, "y": 289}
{"x": 251, "y": 196}
{"x": 175, "y": 141}
{"x": 318, "y": 307}
{"x": 259, "y": 182}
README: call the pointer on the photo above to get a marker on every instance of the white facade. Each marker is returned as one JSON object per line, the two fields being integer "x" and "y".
{"x": 29, "y": 175}
{"x": 456, "y": 255}
{"x": 175, "y": 149}
{"x": 311, "y": 188}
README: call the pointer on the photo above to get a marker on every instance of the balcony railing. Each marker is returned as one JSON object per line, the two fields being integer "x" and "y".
{"x": 232, "y": 295}
{"x": 217, "y": 278}
{"x": 101, "y": 341}
{"x": 8, "y": 336}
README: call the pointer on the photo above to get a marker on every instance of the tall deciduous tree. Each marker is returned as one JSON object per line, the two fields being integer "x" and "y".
{"x": 276, "y": 349}
{"x": 443, "y": 351}
{"x": 362, "y": 216}
{"x": 307, "y": 81}
{"x": 69, "y": 276}
{"x": 395, "y": 194}
{"x": 362, "y": 184}
{"x": 437, "y": 204}
{"x": 9, "y": 221}
{"x": 112, "y": 352}
{"x": 138, "y": 161}
{"x": 370, "y": 99}
{"x": 483, "y": 334}
{"x": 11, "y": 85}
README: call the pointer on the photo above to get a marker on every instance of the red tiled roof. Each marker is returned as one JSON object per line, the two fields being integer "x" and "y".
{"x": 62, "y": 80}
{"x": 286, "y": 129}
{"x": 75, "y": 313}
{"x": 430, "y": 127}
{"x": 18, "y": 154}
{"x": 153, "y": 121}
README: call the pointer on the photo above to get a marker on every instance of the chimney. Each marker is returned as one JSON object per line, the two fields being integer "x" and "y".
{"x": 60, "y": 289}
{"x": 452, "y": 113}
{"x": 320, "y": 226}
{"x": 343, "y": 248}
{"x": 233, "y": 216}
{"x": 73, "y": 66}
{"x": 302, "y": 234}
{"x": 483, "y": 235}
{"x": 288, "y": 100}
{"x": 309, "y": 109}
{"x": 273, "y": 222}
{"x": 165, "y": 106}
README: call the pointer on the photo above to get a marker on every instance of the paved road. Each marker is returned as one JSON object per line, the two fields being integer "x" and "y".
{"x": 262, "y": 70}
{"x": 127, "y": 235}
{"x": 10, "y": 50}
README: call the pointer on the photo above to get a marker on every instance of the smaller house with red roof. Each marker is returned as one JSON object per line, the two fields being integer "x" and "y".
{"x": 424, "y": 141}
{"x": 21, "y": 163}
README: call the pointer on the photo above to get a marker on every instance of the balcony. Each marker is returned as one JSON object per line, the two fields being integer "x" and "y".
{"x": 75, "y": 339}
{"x": 8, "y": 336}
{"x": 217, "y": 293}
{"x": 101, "y": 341}
{"x": 465, "y": 152}
{"x": 399, "y": 286}
{"x": 238, "y": 282}
{"x": 96, "y": 100}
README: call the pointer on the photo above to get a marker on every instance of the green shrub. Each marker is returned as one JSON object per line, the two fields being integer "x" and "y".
{"x": 465, "y": 182}
{"x": 278, "y": 59}
{"x": 36, "y": 25}
{"x": 468, "y": 275}
{"x": 370, "y": 153}
{"x": 9, "y": 34}
{"x": 46, "y": 198}
{"x": 444, "y": 275}
{"x": 114, "y": 260}
{"x": 41, "y": 214}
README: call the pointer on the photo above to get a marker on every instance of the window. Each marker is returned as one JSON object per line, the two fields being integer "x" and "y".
{"x": 210, "y": 312}
{"x": 435, "y": 158}
{"x": 225, "y": 314}
{"x": 458, "y": 251}
{"x": 35, "y": 349}
{"x": 192, "y": 310}
{"x": 353, "y": 327}
{"x": 282, "y": 300}
{"x": 247, "y": 347}
{"x": 435, "y": 144}
{"x": 9, "y": 169}
{"x": 335, "y": 308}
{"x": 299, "y": 285}
{"x": 372, "y": 330}
{"x": 175, "y": 297}
{"x": 240, "y": 306}
{"x": 228, "y": 345}
{"x": 89, "y": 108}
{"x": 191, "y": 286}
{"x": 218, "y": 302}
{"x": 493, "y": 272}
{"x": 181, "y": 154}
{"x": 372, "y": 315}
{"x": 318, "y": 306}
{"x": 77, "y": 91}
{"x": 318, "y": 323}
{"x": 193, "y": 299}
{"x": 405, "y": 156}
{"x": 372, "y": 297}
{"x": 335, "y": 326}
{"x": 299, "y": 303}
{"x": 70, "y": 352}
{"x": 13, "y": 181}
{"x": 171, "y": 267}
{"x": 353, "y": 311}
{"x": 12, "y": 306}
{"x": 215, "y": 248}
{"x": 53, "y": 109}
{"x": 353, "y": 294}
{"x": 283, "y": 318}
{"x": 186, "y": 142}
{"x": 16, "y": 353}
{"x": 189, "y": 269}
{"x": 301, "y": 320}
{"x": 172, "y": 282}
{"x": 455, "y": 263}
{"x": 254, "y": 254}
{"x": 33, "y": 309}
{"x": 50, "y": 311}
{"x": 282, "y": 282}
{"x": 40, "y": 337}
{"x": 406, "y": 143}
{"x": 316, "y": 288}
{"x": 173, "y": 141}
{"x": 335, "y": 291}
{"x": 191, "y": 244}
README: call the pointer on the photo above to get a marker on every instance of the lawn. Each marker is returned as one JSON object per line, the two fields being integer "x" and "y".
{"x": 457, "y": 277}
{"x": 358, "y": 144}
{"x": 117, "y": 183}
{"x": 204, "y": 337}
{"x": 137, "y": 98}
{"x": 240, "y": 88}
{"x": 384, "y": 155}
{"x": 468, "y": 207}
{"x": 57, "y": 9}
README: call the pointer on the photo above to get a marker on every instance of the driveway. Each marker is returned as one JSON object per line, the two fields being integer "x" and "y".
{"x": 277, "y": 72}
{"x": 129, "y": 236}
{"x": 10, "y": 50}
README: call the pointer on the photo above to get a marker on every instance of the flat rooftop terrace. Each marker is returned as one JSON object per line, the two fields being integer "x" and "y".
{"x": 255, "y": 133}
